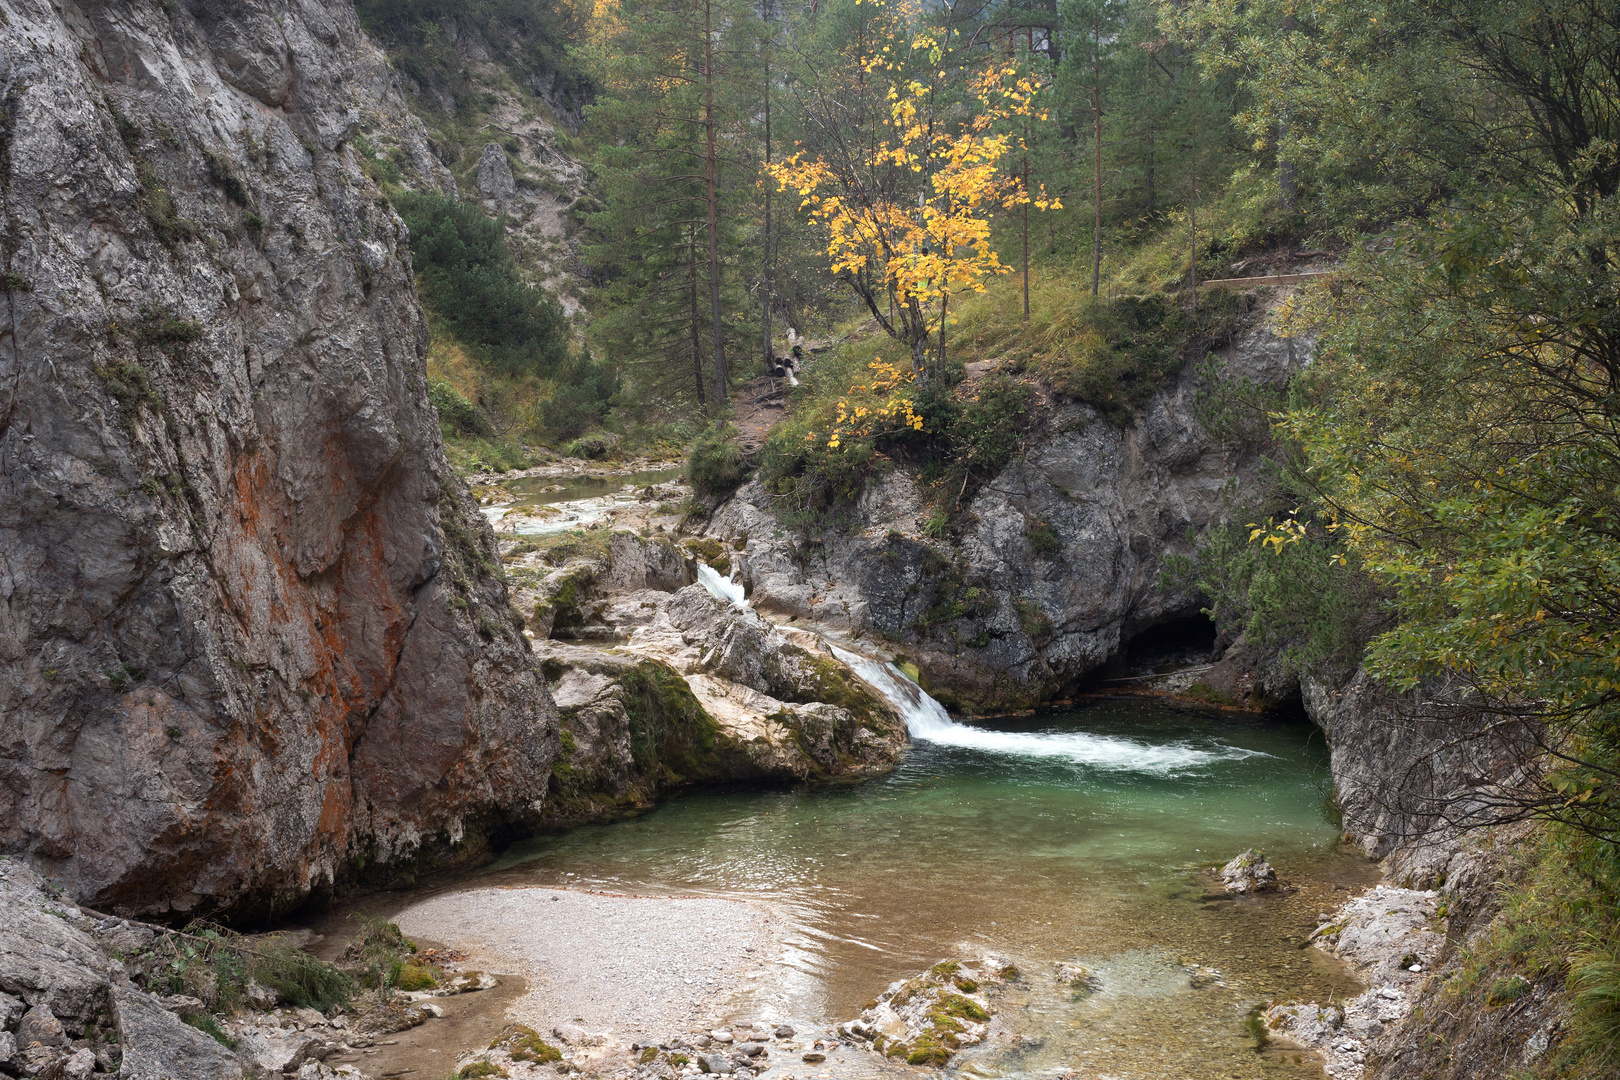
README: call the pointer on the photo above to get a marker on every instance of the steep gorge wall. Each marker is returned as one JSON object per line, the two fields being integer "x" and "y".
{"x": 253, "y": 638}
{"x": 1058, "y": 562}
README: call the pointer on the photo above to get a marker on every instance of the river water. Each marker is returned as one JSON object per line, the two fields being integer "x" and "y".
{"x": 1085, "y": 835}
{"x": 1082, "y": 835}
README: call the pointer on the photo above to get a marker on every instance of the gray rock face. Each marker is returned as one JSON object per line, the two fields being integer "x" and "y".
{"x": 54, "y": 969}
{"x": 158, "y": 1046}
{"x": 495, "y": 181}
{"x": 1407, "y": 768}
{"x": 251, "y": 629}
{"x": 1006, "y": 617}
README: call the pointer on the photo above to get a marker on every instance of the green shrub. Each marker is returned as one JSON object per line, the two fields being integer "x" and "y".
{"x": 714, "y": 464}
{"x": 299, "y": 978}
{"x": 456, "y": 413}
{"x": 1042, "y": 540}
{"x": 1128, "y": 348}
{"x": 473, "y": 283}
{"x": 1508, "y": 989}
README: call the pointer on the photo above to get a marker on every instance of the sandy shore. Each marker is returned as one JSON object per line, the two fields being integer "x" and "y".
{"x": 631, "y": 967}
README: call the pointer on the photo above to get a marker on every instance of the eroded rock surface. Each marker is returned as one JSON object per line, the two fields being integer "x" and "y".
{"x": 252, "y": 635}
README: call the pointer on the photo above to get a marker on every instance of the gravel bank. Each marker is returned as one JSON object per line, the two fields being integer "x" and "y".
{"x": 626, "y": 966}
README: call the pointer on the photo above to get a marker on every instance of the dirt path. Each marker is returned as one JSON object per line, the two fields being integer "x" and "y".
{"x": 760, "y": 405}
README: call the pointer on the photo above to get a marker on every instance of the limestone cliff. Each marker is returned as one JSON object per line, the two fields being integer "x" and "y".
{"x": 254, "y": 636}
{"x": 1059, "y": 563}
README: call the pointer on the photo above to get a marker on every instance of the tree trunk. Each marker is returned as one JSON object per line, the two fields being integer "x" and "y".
{"x": 1030, "y": 52}
{"x": 697, "y": 334}
{"x": 1026, "y": 238}
{"x": 1192, "y": 268}
{"x": 1096, "y": 157}
{"x": 766, "y": 282}
{"x": 1150, "y": 164}
{"x": 710, "y": 162}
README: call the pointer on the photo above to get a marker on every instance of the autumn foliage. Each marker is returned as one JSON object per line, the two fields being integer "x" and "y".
{"x": 906, "y": 203}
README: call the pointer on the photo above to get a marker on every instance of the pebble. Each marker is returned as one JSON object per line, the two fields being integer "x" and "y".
{"x": 813, "y": 1057}
{"x": 721, "y": 1036}
{"x": 784, "y": 1032}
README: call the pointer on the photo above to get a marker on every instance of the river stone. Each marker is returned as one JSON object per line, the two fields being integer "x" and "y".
{"x": 784, "y": 1032}
{"x": 718, "y": 1063}
{"x": 1079, "y": 977}
{"x": 813, "y": 1057}
{"x": 1248, "y": 873}
{"x": 574, "y": 1035}
{"x": 158, "y": 1046}
{"x": 721, "y": 1036}
{"x": 274, "y": 1052}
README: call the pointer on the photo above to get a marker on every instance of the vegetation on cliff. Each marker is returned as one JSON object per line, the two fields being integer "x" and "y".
{"x": 1453, "y": 447}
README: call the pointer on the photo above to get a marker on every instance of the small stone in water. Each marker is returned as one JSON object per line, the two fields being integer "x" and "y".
{"x": 784, "y": 1032}
{"x": 721, "y": 1036}
{"x": 811, "y": 1057}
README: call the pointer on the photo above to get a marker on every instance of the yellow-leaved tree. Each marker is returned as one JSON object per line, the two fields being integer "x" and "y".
{"x": 906, "y": 196}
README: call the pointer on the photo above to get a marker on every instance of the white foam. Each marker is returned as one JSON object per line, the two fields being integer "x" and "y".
{"x": 926, "y": 719}
{"x": 723, "y": 588}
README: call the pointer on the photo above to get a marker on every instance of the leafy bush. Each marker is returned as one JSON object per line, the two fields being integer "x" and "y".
{"x": 473, "y": 283}
{"x": 714, "y": 465}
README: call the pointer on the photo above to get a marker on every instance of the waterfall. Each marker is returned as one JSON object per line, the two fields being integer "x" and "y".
{"x": 927, "y": 720}
{"x": 721, "y": 588}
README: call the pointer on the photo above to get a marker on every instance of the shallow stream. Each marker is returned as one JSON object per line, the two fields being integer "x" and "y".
{"x": 1081, "y": 835}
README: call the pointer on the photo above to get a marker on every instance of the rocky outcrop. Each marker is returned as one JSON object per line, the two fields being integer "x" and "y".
{"x": 253, "y": 632}
{"x": 1390, "y": 937}
{"x": 83, "y": 1016}
{"x": 1059, "y": 563}
{"x": 702, "y": 691}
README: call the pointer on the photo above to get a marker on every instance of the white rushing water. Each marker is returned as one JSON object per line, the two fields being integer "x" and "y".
{"x": 723, "y": 588}
{"x": 927, "y": 719}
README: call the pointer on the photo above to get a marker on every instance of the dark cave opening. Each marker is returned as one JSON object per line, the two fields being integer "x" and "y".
{"x": 1164, "y": 647}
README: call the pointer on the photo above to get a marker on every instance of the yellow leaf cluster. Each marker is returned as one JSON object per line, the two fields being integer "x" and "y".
{"x": 936, "y": 241}
{"x": 882, "y": 405}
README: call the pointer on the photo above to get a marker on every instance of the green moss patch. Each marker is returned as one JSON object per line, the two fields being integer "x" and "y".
{"x": 525, "y": 1044}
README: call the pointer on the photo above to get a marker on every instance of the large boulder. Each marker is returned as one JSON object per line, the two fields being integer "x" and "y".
{"x": 703, "y": 691}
